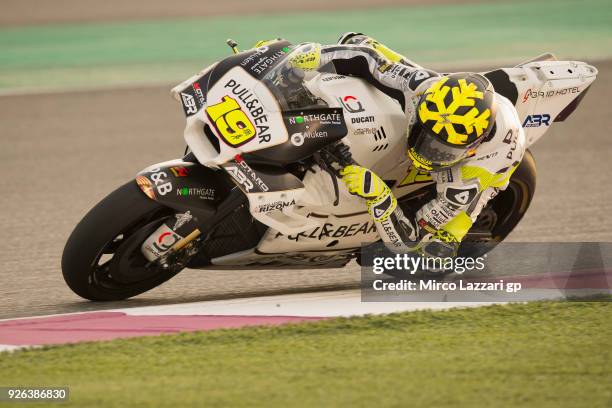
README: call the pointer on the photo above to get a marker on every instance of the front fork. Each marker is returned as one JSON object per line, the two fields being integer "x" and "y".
{"x": 181, "y": 232}
{"x": 200, "y": 197}
{"x": 173, "y": 235}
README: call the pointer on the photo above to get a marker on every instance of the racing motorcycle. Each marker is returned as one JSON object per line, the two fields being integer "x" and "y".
{"x": 258, "y": 187}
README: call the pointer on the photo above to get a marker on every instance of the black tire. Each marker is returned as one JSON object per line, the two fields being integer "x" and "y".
{"x": 504, "y": 212}
{"x": 117, "y": 225}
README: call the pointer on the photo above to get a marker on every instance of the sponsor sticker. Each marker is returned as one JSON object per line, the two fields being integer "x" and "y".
{"x": 201, "y": 193}
{"x": 159, "y": 179}
{"x": 189, "y": 104}
{"x": 179, "y": 171}
{"x": 276, "y": 205}
{"x": 160, "y": 242}
{"x": 239, "y": 117}
{"x": 329, "y": 230}
{"x": 537, "y": 120}
{"x": 351, "y": 104}
{"x": 245, "y": 176}
{"x": 231, "y": 122}
{"x": 321, "y": 118}
{"x": 197, "y": 90}
{"x": 262, "y": 59}
{"x": 461, "y": 196}
{"x": 146, "y": 186}
{"x": 362, "y": 119}
{"x": 182, "y": 219}
{"x": 253, "y": 106}
{"x": 536, "y": 93}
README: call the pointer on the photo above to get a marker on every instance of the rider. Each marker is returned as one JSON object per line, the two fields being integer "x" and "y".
{"x": 461, "y": 132}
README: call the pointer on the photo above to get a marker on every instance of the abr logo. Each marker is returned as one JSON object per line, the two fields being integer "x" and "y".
{"x": 537, "y": 120}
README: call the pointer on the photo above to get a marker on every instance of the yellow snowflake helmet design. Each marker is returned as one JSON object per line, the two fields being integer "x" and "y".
{"x": 454, "y": 115}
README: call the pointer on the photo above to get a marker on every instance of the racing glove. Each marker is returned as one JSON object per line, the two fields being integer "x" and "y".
{"x": 366, "y": 184}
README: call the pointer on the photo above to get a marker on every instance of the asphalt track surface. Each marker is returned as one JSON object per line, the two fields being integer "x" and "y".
{"x": 61, "y": 153}
{"x": 31, "y": 12}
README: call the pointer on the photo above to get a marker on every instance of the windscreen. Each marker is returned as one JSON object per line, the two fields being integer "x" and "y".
{"x": 289, "y": 84}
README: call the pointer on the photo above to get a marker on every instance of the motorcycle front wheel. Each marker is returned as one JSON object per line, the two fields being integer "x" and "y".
{"x": 102, "y": 260}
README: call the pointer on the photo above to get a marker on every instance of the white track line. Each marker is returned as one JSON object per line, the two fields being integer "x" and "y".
{"x": 319, "y": 304}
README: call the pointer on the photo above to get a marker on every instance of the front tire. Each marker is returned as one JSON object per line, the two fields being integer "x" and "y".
{"x": 102, "y": 260}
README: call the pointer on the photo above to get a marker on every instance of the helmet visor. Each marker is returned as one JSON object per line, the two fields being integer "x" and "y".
{"x": 429, "y": 153}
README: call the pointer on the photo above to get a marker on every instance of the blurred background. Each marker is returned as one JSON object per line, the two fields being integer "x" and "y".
{"x": 85, "y": 105}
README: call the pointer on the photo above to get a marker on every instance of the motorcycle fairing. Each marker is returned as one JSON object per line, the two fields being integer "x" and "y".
{"x": 251, "y": 258}
{"x": 309, "y": 131}
{"x": 376, "y": 123}
{"x": 543, "y": 91}
{"x": 257, "y": 62}
{"x": 237, "y": 116}
{"x": 273, "y": 194}
{"x": 184, "y": 186}
{"x": 334, "y": 232}
{"x": 193, "y": 96}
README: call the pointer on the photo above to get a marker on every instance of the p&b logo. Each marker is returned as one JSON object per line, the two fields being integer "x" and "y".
{"x": 537, "y": 120}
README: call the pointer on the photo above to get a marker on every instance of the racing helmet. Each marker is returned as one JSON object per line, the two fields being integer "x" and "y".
{"x": 453, "y": 116}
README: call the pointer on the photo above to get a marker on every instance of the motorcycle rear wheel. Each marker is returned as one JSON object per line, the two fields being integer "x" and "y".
{"x": 503, "y": 213}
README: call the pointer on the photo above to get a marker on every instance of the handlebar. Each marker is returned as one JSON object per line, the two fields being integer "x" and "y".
{"x": 337, "y": 153}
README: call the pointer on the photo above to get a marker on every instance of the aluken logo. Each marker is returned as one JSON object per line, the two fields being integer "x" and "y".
{"x": 537, "y": 120}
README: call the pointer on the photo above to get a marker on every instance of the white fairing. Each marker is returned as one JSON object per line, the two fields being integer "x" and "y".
{"x": 377, "y": 128}
{"x": 376, "y": 135}
{"x": 278, "y": 210}
{"x": 546, "y": 88}
{"x": 376, "y": 123}
{"x": 240, "y": 86}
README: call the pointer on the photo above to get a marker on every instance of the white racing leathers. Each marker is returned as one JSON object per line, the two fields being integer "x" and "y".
{"x": 462, "y": 190}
